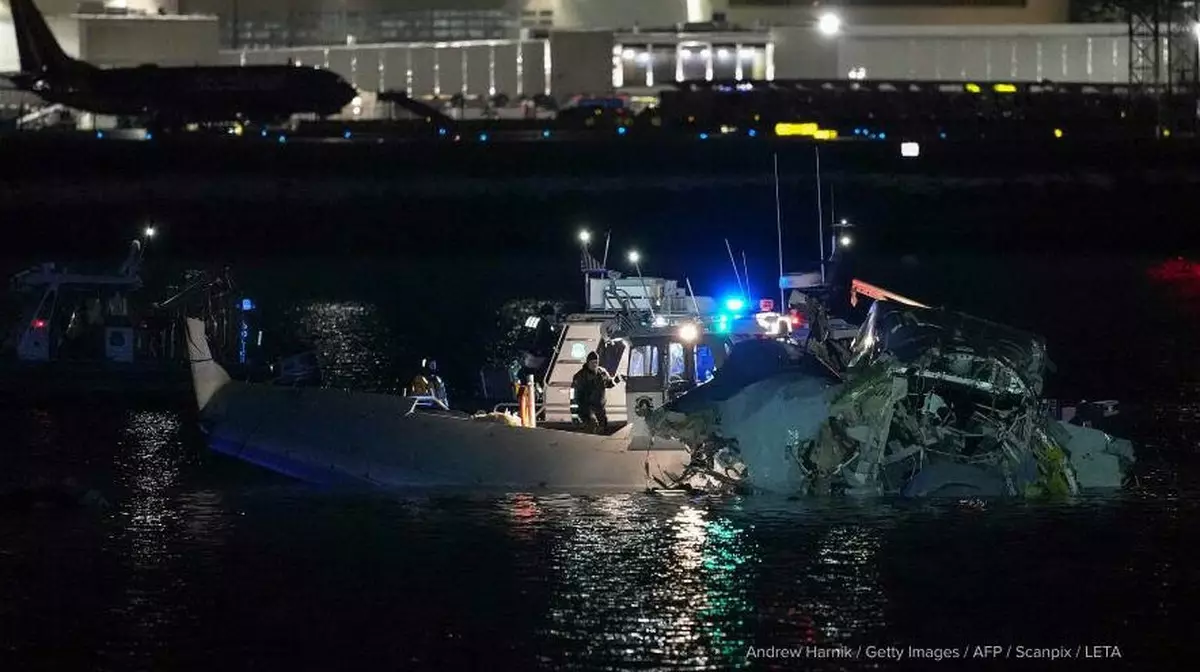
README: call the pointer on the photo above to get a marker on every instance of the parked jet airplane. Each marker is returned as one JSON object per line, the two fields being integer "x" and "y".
{"x": 169, "y": 96}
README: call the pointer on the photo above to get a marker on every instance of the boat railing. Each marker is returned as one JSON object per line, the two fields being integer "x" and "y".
{"x": 426, "y": 401}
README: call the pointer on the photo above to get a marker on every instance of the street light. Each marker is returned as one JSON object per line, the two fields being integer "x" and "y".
{"x": 829, "y": 24}
{"x": 845, "y": 241}
{"x": 149, "y": 232}
{"x": 585, "y": 237}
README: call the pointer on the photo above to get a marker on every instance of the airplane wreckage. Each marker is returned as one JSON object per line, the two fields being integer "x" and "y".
{"x": 922, "y": 402}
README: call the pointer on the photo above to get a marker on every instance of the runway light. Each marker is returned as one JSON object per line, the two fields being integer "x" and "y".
{"x": 441, "y": 131}
{"x": 734, "y": 304}
{"x": 829, "y": 24}
{"x": 703, "y": 136}
{"x": 99, "y": 134}
{"x": 752, "y": 133}
{"x": 546, "y": 133}
{"x": 585, "y": 236}
{"x": 910, "y": 149}
{"x": 1004, "y": 88}
{"x": 282, "y": 139}
{"x": 620, "y": 130}
{"x": 149, "y": 135}
{"x": 688, "y": 333}
{"x": 346, "y": 135}
{"x": 483, "y": 137}
{"x": 882, "y": 136}
{"x": 1058, "y": 133}
{"x": 634, "y": 257}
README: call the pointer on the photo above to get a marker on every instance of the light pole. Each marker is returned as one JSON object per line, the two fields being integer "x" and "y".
{"x": 585, "y": 237}
{"x": 635, "y": 258}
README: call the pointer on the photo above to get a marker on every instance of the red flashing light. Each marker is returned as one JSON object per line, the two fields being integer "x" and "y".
{"x": 766, "y": 305}
{"x": 38, "y": 324}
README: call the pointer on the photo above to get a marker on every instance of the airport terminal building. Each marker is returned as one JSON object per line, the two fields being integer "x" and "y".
{"x": 566, "y": 48}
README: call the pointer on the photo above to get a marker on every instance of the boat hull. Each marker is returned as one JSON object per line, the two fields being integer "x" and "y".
{"x": 332, "y": 436}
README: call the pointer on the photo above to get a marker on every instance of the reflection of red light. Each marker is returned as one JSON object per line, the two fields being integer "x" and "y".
{"x": 39, "y": 324}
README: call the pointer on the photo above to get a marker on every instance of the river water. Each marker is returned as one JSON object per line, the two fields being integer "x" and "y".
{"x": 204, "y": 563}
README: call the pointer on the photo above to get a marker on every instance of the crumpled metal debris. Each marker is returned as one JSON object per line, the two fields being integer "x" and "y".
{"x": 931, "y": 402}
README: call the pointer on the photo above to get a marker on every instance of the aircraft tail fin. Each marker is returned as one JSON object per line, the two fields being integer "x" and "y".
{"x": 37, "y": 47}
{"x": 208, "y": 377}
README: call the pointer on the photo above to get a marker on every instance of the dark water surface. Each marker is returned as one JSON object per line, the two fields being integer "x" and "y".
{"x": 204, "y": 563}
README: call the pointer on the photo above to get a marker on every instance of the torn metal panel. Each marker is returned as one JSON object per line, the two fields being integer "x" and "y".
{"x": 930, "y": 402}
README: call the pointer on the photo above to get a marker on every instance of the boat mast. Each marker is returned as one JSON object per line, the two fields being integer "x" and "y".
{"x": 820, "y": 216}
{"x": 779, "y": 228}
{"x": 736, "y": 276}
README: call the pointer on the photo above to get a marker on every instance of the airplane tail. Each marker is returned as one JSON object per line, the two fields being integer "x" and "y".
{"x": 208, "y": 377}
{"x": 37, "y": 47}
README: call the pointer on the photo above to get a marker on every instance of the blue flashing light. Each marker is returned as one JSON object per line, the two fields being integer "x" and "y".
{"x": 247, "y": 305}
{"x": 620, "y": 130}
{"x": 703, "y": 136}
{"x": 149, "y": 135}
{"x": 546, "y": 133}
{"x": 99, "y": 134}
{"x": 282, "y": 139}
{"x": 883, "y": 136}
{"x": 483, "y": 137}
{"x": 734, "y": 304}
{"x": 441, "y": 131}
{"x": 722, "y": 325}
{"x": 346, "y": 135}
{"x": 752, "y": 133}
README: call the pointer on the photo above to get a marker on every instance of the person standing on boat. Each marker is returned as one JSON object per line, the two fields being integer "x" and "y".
{"x": 590, "y": 385}
{"x": 428, "y": 383}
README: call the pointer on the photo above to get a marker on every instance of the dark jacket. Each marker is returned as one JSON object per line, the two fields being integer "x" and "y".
{"x": 589, "y": 386}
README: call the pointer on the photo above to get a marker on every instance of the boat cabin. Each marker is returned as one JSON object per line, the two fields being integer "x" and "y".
{"x": 655, "y": 364}
{"x": 74, "y": 316}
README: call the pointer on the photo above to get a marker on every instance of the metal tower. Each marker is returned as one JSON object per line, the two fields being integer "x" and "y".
{"x": 1163, "y": 53}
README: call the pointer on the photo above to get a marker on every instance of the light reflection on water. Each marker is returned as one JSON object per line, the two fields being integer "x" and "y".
{"x": 353, "y": 342}
{"x": 255, "y": 572}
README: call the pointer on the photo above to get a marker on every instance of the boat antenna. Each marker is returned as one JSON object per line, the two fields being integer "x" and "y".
{"x": 695, "y": 306}
{"x": 746, "y": 274}
{"x": 779, "y": 226}
{"x": 820, "y": 216}
{"x": 607, "y": 240}
{"x": 736, "y": 275}
{"x": 832, "y": 222}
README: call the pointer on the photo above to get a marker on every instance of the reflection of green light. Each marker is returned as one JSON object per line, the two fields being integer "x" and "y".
{"x": 726, "y": 608}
